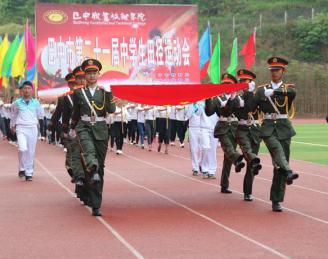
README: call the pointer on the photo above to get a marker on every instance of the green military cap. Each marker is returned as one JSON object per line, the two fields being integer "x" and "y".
{"x": 78, "y": 71}
{"x": 246, "y": 74}
{"x": 228, "y": 79}
{"x": 91, "y": 64}
{"x": 277, "y": 63}
{"x": 70, "y": 78}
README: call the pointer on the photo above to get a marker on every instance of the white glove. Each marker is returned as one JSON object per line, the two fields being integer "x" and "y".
{"x": 233, "y": 96}
{"x": 227, "y": 96}
{"x": 241, "y": 103}
{"x": 251, "y": 86}
{"x": 72, "y": 133}
{"x": 224, "y": 103}
{"x": 268, "y": 92}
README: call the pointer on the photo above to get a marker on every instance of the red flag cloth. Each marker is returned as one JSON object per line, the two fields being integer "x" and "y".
{"x": 203, "y": 72}
{"x": 249, "y": 51}
{"x": 172, "y": 94}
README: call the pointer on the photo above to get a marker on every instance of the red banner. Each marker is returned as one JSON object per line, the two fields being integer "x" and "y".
{"x": 172, "y": 94}
{"x": 137, "y": 44}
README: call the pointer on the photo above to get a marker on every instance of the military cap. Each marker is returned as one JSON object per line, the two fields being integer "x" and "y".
{"x": 70, "y": 78}
{"x": 277, "y": 63}
{"x": 246, "y": 74}
{"x": 91, "y": 64}
{"x": 228, "y": 79}
{"x": 78, "y": 71}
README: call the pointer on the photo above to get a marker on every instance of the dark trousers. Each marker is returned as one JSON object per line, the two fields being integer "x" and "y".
{"x": 150, "y": 131}
{"x": 117, "y": 132}
{"x": 141, "y": 130}
{"x": 181, "y": 128}
{"x": 173, "y": 130}
{"x": 134, "y": 132}
{"x": 164, "y": 131}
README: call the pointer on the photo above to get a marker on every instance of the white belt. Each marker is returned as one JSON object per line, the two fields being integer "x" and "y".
{"x": 95, "y": 119}
{"x": 228, "y": 119}
{"x": 247, "y": 122}
{"x": 275, "y": 116}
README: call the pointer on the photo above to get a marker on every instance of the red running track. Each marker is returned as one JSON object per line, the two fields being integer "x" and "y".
{"x": 154, "y": 208}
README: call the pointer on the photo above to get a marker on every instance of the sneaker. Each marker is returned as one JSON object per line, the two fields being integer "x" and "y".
{"x": 65, "y": 150}
{"x": 21, "y": 174}
{"x": 28, "y": 178}
{"x": 205, "y": 175}
{"x": 142, "y": 146}
{"x": 182, "y": 145}
{"x": 211, "y": 176}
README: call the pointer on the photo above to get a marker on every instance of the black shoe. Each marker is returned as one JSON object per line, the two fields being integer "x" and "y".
{"x": 194, "y": 172}
{"x": 248, "y": 197}
{"x": 225, "y": 190}
{"x": 28, "y": 178}
{"x": 21, "y": 174}
{"x": 95, "y": 178}
{"x": 239, "y": 164}
{"x": 276, "y": 207}
{"x": 291, "y": 177}
{"x": 96, "y": 212}
{"x": 79, "y": 182}
{"x": 256, "y": 166}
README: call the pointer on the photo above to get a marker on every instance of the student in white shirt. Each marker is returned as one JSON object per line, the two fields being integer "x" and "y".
{"x": 25, "y": 114}
{"x": 194, "y": 112}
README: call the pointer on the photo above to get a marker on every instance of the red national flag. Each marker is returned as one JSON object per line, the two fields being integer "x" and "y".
{"x": 249, "y": 51}
{"x": 172, "y": 94}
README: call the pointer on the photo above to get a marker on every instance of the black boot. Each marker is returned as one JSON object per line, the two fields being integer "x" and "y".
{"x": 96, "y": 212}
{"x": 239, "y": 164}
{"x": 256, "y": 166}
{"x": 225, "y": 190}
{"x": 276, "y": 207}
{"x": 291, "y": 177}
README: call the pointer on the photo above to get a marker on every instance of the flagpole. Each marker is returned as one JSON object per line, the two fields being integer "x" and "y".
{"x": 211, "y": 45}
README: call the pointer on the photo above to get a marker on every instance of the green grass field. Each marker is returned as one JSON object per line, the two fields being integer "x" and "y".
{"x": 314, "y": 146}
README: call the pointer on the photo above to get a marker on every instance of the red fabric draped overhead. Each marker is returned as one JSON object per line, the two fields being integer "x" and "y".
{"x": 172, "y": 94}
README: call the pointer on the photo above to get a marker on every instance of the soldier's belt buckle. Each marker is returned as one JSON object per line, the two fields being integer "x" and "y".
{"x": 93, "y": 119}
{"x": 274, "y": 116}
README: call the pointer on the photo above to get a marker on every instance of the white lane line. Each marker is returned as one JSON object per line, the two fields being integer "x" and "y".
{"x": 101, "y": 220}
{"x": 269, "y": 180}
{"x": 242, "y": 236}
{"x": 192, "y": 178}
{"x": 309, "y": 144}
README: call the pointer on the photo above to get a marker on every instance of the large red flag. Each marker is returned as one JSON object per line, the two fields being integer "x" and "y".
{"x": 172, "y": 94}
{"x": 249, "y": 51}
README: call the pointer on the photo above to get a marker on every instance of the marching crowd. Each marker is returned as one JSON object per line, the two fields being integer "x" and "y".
{"x": 87, "y": 119}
